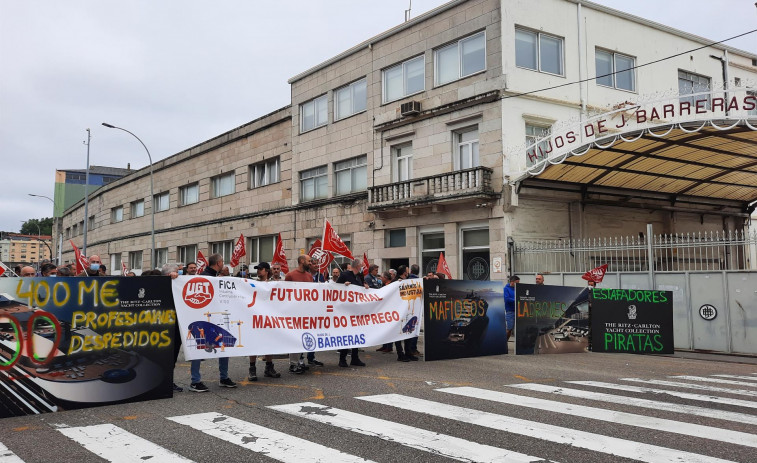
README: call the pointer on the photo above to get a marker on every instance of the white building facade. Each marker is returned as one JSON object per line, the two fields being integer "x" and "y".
{"x": 421, "y": 140}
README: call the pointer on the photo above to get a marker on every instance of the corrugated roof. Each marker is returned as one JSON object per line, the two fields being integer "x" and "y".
{"x": 102, "y": 170}
{"x": 709, "y": 163}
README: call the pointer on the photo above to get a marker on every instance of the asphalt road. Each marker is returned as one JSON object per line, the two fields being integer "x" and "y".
{"x": 388, "y": 411}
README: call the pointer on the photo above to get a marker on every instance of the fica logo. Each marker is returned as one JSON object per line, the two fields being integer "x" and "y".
{"x": 197, "y": 292}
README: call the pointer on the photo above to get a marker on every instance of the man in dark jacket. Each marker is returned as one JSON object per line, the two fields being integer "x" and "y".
{"x": 352, "y": 277}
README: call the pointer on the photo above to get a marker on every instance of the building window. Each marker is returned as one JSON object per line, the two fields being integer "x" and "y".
{"x": 225, "y": 248}
{"x": 265, "y": 173}
{"x": 81, "y": 227}
{"x": 73, "y": 177}
{"x": 538, "y": 51}
{"x": 313, "y": 184}
{"x": 91, "y": 222}
{"x": 161, "y": 201}
{"x": 68, "y": 233}
{"x": 535, "y": 133}
{"x": 161, "y": 257}
{"x": 752, "y": 112}
{"x": 351, "y": 175}
{"x": 117, "y": 214}
{"x": 222, "y": 185}
{"x": 350, "y": 100}
{"x": 475, "y": 251}
{"x": 137, "y": 208}
{"x": 186, "y": 254}
{"x": 466, "y": 148}
{"x": 107, "y": 179}
{"x": 690, "y": 84}
{"x": 404, "y": 79}
{"x": 432, "y": 244}
{"x": 314, "y": 113}
{"x": 615, "y": 70}
{"x": 460, "y": 59}
{"x": 395, "y": 238}
{"x": 76, "y": 229}
{"x": 189, "y": 194}
{"x": 260, "y": 248}
{"x": 135, "y": 261}
{"x": 402, "y": 163}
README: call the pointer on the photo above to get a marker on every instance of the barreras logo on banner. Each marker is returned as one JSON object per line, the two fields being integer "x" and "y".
{"x": 81, "y": 260}
{"x": 202, "y": 262}
{"x": 279, "y": 256}
{"x": 239, "y": 251}
{"x": 596, "y": 274}
{"x": 332, "y": 242}
{"x": 321, "y": 257}
{"x": 197, "y": 292}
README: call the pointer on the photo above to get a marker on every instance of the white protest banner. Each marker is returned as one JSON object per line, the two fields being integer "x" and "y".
{"x": 229, "y": 317}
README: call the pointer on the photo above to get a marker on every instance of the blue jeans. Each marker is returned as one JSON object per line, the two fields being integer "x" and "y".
{"x": 223, "y": 369}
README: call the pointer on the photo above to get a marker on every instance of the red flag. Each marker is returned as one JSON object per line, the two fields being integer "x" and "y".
{"x": 321, "y": 258}
{"x": 596, "y": 274}
{"x": 123, "y": 268}
{"x": 81, "y": 260}
{"x": 238, "y": 251}
{"x": 332, "y": 242}
{"x": 365, "y": 265}
{"x": 442, "y": 267}
{"x": 201, "y": 262}
{"x": 279, "y": 256}
{"x": 2, "y": 268}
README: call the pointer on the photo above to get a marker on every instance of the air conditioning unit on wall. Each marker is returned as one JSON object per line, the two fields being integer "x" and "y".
{"x": 411, "y": 108}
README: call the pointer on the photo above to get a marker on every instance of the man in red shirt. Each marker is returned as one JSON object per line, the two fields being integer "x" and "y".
{"x": 302, "y": 274}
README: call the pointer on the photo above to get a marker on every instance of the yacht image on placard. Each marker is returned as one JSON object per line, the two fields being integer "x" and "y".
{"x": 44, "y": 378}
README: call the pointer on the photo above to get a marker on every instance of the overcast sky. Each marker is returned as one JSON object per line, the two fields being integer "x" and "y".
{"x": 178, "y": 72}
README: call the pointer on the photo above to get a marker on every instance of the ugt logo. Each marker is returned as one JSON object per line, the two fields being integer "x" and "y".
{"x": 197, "y": 293}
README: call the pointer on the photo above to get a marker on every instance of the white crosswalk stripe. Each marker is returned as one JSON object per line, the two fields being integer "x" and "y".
{"x": 6, "y": 456}
{"x": 642, "y": 403}
{"x": 683, "y": 395}
{"x": 596, "y": 442}
{"x": 438, "y": 444}
{"x": 118, "y": 445}
{"x": 701, "y": 387}
{"x": 714, "y": 380}
{"x": 750, "y": 378}
{"x": 629, "y": 419}
{"x": 115, "y": 444}
{"x": 273, "y": 444}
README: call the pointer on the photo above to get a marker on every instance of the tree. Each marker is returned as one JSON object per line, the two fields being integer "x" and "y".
{"x": 30, "y": 227}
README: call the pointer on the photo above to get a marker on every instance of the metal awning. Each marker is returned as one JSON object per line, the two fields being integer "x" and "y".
{"x": 708, "y": 161}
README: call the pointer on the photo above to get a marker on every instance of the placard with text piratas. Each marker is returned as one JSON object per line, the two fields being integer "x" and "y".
{"x": 70, "y": 343}
{"x": 634, "y": 321}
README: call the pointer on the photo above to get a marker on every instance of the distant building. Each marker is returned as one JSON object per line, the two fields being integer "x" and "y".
{"x": 24, "y": 249}
{"x": 69, "y": 184}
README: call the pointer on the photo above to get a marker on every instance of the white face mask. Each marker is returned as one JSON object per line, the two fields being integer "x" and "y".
{"x": 94, "y": 266}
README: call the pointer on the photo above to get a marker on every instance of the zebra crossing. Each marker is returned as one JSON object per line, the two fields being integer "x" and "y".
{"x": 701, "y": 416}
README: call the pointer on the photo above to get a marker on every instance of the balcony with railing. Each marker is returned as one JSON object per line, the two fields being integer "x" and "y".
{"x": 452, "y": 187}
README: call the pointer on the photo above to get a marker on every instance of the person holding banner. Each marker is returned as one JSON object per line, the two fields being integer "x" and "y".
{"x": 355, "y": 277}
{"x": 215, "y": 265}
{"x": 264, "y": 271}
{"x": 302, "y": 274}
{"x": 510, "y": 305}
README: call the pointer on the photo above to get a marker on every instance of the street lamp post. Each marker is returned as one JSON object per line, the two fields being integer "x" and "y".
{"x": 86, "y": 197}
{"x": 152, "y": 193}
{"x": 55, "y": 220}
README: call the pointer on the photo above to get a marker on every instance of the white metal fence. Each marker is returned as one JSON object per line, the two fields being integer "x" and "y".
{"x": 708, "y": 251}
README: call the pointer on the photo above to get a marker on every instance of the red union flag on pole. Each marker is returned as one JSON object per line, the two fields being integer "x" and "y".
{"x": 238, "y": 251}
{"x": 321, "y": 258}
{"x": 332, "y": 242}
{"x": 202, "y": 262}
{"x": 596, "y": 274}
{"x": 279, "y": 256}
{"x": 442, "y": 267}
{"x": 81, "y": 260}
{"x": 365, "y": 264}
{"x": 123, "y": 268}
